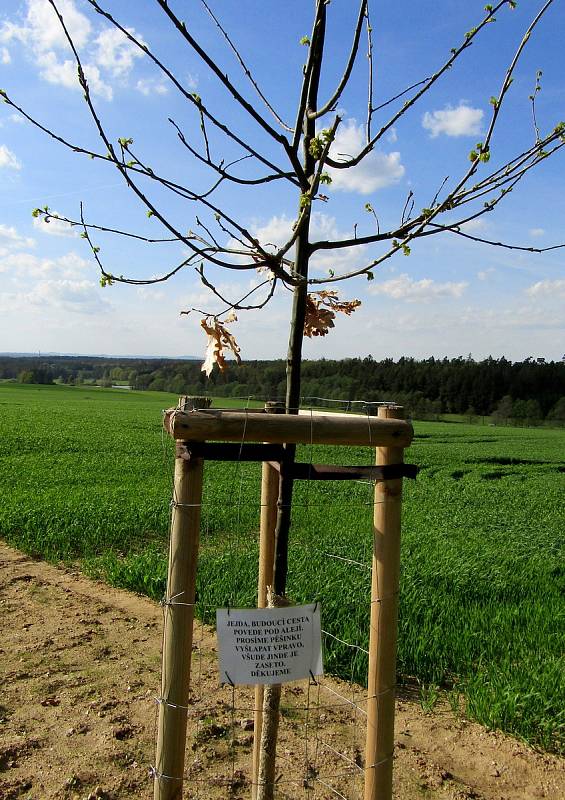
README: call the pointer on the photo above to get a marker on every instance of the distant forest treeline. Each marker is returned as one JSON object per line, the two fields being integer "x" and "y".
{"x": 531, "y": 389}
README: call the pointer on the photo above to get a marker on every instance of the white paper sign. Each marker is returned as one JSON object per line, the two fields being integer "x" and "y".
{"x": 269, "y": 645}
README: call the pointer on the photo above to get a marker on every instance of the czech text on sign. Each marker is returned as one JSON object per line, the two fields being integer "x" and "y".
{"x": 269, "y": 645}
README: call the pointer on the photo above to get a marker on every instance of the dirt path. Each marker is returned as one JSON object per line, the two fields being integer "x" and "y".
{"x": 80, "y": 665}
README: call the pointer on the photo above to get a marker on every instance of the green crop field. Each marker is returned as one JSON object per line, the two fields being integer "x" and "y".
{"x": 85, "y": 474}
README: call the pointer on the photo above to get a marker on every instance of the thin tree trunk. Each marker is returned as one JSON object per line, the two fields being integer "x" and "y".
{"x": 271, "y": 697}
{"x": 296, "y": 338}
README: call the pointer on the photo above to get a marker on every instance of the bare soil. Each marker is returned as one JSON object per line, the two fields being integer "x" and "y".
{"x": 80, "y": 666}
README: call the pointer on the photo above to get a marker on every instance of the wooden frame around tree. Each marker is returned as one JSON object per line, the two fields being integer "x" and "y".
{"x": 390, "y": 434}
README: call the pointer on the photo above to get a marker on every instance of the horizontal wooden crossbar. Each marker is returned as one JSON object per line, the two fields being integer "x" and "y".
{"x": 256, "y": 426}
{"x": 230, "y": 451}
{"x": 329, "y": 472}
{"x": 274, "y": 454}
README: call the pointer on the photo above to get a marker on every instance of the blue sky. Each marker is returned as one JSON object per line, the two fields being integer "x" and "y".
{"x": 449, "y": 297}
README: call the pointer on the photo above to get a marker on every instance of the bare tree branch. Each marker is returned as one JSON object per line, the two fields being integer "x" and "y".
{"x": 370, "y": 79}
{"x": 493, "y": 243}
{"x": 242, "y": 250}
{"x": 309, "y": 67}
{"x": 192, "y": 97}
{"x": 245, "y": 68}
{"x": 533, "y": 96}
{"x": 47, "y": 215}
{"x": 408, "y": 207}
{"x": 239, "y": 305}
{"x": 482, "y": 155}
{"x": 428, "y": 83}
{"x": 133, "y": 186}
{"x": 508, "y": 78}
{"x": 222, "y": 171}
{"x": 222, "y": 77}
{"x": 213, "y": 67}
{"x": 330, "y": 104}
{"x": 109, "y": 278}
{"x": 415, "y": 227}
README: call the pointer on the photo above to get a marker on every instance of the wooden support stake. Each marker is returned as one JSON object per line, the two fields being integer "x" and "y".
{"x": 178, "y": 626}
{"x": 194, "y": 402}
{"x": 269, "y": 497}
{"x": 384, "y": 621}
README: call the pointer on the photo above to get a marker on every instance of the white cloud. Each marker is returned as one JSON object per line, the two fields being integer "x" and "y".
{"x": 72, "y": 265}
{"x": 54, "y": 227}
{"x": 21, "y": 265}
{"x": 425, "y": 290}
{"x": 64, "y": 73}
{"x": 474, "y": 225}
{"x": 16, "y": 118}
{"x": 536, "y": 232}
{"x": 96, "y": 83}
{"x": 32, "y": 283}
{"x": 516, "y": 317}
{"x": 376, "y": 171}
{"x": 275, "y": 232}
{"x": 484, "y": 274}
{"x": 505, "y": 330}
{"x": 68, "y": 295}
{"x": 42, "y": 31}
{"x": 278, "y": 230}
{"x": 10, "y": 238}
{"x": 148, "y": 86}
{"x": 115, "y": 52}
{"x": 49, "y": 298}
{"x": 8, "y": 159}
{"x": 549, "y": 288}
{"x": 58, "y": 72}
{"x": 150, "y": 294}
{"x": 5, "y": 57}
{"x": 460, "y": 121}
{"x": 24, "y": 267}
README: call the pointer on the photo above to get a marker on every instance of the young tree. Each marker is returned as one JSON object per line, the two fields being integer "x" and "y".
{"x": 503, "y": 411}
{"x": 558, "y": 411}
{"x": 299, "y": 157}
{"x": 251, "y": 148}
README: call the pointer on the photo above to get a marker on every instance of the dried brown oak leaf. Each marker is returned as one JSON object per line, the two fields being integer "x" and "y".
{"x": 219, "y": 340}
{"x": 321, "y": 308}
